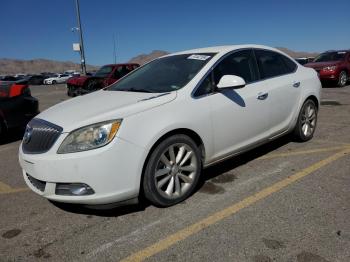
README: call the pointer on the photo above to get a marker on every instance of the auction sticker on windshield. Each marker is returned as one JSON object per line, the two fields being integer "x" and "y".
{"x": 199, "y": 57}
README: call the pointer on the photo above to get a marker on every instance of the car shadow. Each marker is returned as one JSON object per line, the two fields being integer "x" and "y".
{"x": 233, "y": 96}
{"x": 103, "y": 212}
{"x": 12, "y": 135}
{"x": 208, "y": 174}
{"x": 331, "y": 84}
{"x": 231, "y": 163}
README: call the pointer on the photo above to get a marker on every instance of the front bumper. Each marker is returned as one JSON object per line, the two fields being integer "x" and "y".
{"x": 75, "y": 90}
{"x": 113, "y": 172}
{"x": 328, "y": 75}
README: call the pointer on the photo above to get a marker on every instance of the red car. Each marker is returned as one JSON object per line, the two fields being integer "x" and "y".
{"x": 17, "y": 106}
{"x": 333, "y": 66}
{"x": 105, "y": 76}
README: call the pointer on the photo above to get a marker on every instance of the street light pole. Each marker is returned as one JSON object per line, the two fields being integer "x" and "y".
{"x": 82, "y": 53}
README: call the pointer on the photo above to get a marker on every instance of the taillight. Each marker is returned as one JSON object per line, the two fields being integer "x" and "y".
{"x": 17, "y": 90}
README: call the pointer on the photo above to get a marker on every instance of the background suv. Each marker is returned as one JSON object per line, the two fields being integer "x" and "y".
{"x": 105, "y": 76}
{"x": 333, "y": 66}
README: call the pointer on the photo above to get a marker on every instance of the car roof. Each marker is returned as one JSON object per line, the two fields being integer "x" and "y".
{"x": 223, "y": 49}
{"x": 121, "y": 64}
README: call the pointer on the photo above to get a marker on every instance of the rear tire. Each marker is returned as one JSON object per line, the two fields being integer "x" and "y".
{"x": 307, "y": 120}
{"x": 172, "y": 171}
{"x": 343, "y": 78}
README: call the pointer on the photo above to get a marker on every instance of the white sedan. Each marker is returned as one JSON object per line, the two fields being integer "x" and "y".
{"x": 57, "y": 79}
{"x": 151, "y": 133}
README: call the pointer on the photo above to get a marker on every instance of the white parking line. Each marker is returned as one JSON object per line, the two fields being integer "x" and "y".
{"x": 133, "y": 234}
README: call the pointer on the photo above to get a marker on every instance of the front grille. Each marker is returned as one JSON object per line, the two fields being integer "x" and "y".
{"x": 40, "y": 136}
{"x": 38, "y": 184}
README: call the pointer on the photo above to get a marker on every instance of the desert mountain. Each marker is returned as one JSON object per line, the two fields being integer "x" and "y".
{"x": 144, "y": 58}
{"x": 13, "y": 66}
{"x": 296, "y": 54}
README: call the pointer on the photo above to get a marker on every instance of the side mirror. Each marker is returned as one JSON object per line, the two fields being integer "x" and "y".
{"x": 231, "y": 81}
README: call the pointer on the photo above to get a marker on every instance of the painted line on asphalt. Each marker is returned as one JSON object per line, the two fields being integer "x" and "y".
{"x": 231, "y": 210}
{"x": 303, "y": 152}
{"x": 6, "y": 189}
{"x": 8, "y": 147}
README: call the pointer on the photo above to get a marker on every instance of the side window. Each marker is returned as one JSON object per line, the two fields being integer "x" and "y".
{"x": 291, "y": 66}
{"x": 272, "y": 64}
{"x": 240, "y": 63}
{"x": 206, "y": 87}
{"x": 117, "y": 73}
{"x": 124, "y": 70}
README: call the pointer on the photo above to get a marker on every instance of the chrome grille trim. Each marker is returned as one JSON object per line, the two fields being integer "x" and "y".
{"x": 42, "y": 136}
{"x": 38, "y": 184}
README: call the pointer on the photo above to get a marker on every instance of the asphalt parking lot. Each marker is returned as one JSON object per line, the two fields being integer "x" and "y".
{"x": 284, "y": 201}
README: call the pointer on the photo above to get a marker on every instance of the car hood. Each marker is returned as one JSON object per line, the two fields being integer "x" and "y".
{"x": 321, "y": 64}
{"x": 78, "y": 80}
{"x": 102, "y": 106}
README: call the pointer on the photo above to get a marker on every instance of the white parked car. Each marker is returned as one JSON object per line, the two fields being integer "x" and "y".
{"x": 57, "y": 79}
{"x": 153, "y": 131}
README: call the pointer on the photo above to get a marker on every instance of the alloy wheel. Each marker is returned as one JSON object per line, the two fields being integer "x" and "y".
{"x": 308, "y": 120}
{"x": 175, "y": 171}
{"x": 343, "y": 78}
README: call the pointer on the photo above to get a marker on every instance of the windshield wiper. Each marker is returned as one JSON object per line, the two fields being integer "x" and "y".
{"x": 142, "y": 90}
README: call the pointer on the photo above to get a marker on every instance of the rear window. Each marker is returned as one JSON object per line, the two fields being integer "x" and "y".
{"x": 272, "y": 64}
{"x": 330, "y": 56}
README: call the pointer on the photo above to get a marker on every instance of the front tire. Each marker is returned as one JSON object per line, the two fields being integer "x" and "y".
{"x": 53, "y": 82}
{"x": 172, "y": 171}
{"x": 307, "y": 120}
{"x": 343, "y": 78}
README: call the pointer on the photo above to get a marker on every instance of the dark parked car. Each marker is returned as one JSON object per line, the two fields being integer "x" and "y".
{"x": 333, "y": 66}
{"x": 304, "y": 60}
{"x": 105, "y": 76}
{"x": 10, "y": 78}
{"x": 17, "y": 106}
{"x": 36, "y": 79}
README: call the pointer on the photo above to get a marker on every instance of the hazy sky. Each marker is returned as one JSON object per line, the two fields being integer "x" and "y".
{"x": 42, "y": 28}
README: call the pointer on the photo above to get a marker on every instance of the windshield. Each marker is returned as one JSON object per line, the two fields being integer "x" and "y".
{"x": 330, "y": 56}
{"x": 104, "y": 71}
{"x": 164, "y": 74}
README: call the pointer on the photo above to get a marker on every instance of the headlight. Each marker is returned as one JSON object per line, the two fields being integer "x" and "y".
{"x": 329, "y": 68}
{"x": 90, "y": 137}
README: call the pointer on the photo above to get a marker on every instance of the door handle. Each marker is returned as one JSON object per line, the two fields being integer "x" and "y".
{"x": 296, "y": 84}
{"x": 262, "y": 96}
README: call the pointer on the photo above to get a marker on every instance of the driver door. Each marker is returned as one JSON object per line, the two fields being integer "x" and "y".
{"x": 240, "y": 117}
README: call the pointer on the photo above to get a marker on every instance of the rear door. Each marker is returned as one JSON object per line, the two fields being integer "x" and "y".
{"x": 279, "y": 76}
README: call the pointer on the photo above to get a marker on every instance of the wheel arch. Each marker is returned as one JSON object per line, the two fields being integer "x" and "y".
{"x": 314, "y": 99}
{"x": 179, "y": 131}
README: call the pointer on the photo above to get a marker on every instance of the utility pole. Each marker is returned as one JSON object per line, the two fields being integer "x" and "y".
{"x": 114, "y": 50}
{"x": 82, "y": 53}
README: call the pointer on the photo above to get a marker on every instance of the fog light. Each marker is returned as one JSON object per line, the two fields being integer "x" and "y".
{"x": 73, "y": 189}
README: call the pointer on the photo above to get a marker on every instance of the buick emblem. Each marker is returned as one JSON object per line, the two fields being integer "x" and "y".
{"x": 27, "y": 135}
